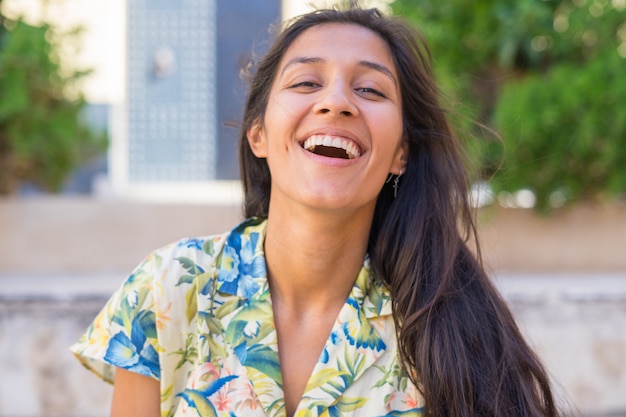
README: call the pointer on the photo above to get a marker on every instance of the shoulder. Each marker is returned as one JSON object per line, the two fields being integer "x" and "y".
{"x": 185, "y": 260}
{"x": 204, "y": 250}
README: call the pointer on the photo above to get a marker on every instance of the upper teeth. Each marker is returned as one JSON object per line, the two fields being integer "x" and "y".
{"x": 326, "y": 140}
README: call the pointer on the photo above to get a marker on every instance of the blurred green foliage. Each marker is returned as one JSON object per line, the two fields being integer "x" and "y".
{"x": 43, "y": 135}
{"x": 549, "y": 76}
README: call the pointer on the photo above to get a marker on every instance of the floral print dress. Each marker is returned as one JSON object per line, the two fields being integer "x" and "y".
{"x": 197, "y": 316}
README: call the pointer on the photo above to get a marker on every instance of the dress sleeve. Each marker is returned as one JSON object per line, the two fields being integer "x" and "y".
{"x": 124, "y": 333}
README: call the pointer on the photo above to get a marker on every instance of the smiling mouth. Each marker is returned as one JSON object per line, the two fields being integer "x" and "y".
{"x": 332, "y": 147}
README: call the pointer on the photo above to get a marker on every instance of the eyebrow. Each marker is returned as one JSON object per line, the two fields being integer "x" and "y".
{"x": 367, "y": 64}
{"x": 380, "y": 68}
{"x": 301, "y": 60}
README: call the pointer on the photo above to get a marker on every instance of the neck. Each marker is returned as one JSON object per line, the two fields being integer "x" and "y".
{"x": 313, "y": 258}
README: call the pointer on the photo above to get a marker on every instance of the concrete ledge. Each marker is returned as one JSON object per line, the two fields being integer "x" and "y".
{"x": 584, "y": 238}
{"x": 48, "y": 235}
{"x": 76, "y": 234}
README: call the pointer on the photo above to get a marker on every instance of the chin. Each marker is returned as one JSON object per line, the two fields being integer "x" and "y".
{"x": 350, "y": 204}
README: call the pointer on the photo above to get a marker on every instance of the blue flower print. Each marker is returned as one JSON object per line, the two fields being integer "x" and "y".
{"x": 215, "y": 352}
{"x": 334, "y": 338}
{"x": 359, "y": 332}
{"x": 133, "y": 354}
{"x": 240, "y": 266}
{"x": 192, "y": 243}
{"x": 241, "y": 352}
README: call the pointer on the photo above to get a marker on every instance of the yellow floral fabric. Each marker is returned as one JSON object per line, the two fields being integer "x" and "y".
{"x": 197, "y": 316}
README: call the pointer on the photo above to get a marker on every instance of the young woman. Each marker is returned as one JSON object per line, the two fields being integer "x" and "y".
{"x": 349, "y": 290}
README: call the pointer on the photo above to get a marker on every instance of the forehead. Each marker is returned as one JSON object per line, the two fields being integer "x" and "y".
{"x": 343, "y": 41}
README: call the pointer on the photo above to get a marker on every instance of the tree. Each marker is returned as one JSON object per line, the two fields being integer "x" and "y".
{"x": 546, "y": 74}
{"x": 43, "y": 136}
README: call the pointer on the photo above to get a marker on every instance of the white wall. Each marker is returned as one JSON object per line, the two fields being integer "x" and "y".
{"x": 102, "y": 42}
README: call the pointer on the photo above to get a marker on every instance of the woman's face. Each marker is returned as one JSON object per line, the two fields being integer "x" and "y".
{"x": 332, "y": 130}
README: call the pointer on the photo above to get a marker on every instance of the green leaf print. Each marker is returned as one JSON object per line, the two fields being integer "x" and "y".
{"x": 214, "y": 325}
{"x": 167, "y": 393}
{"x": 228, "y": 307}
{"x": 389, "y": 375}
{"x": 216, "y": 349}
{"x": 350, "y": 404}
{"x": 257, "y": 312}
{"x": 189, "y": 265}
{"x": 185, "y": 279}
{"x": 209, "y": 247}
{"x": 354, "y": 362}
{"x": 264, "y": 359}
{"x": 189, "y": 354}
{"x": 377, "y": 298}
{"x": 322, "y": 377}
{"x": 191, "y": 300}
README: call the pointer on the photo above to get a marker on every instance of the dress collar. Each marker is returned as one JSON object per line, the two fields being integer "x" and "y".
{"x": 242, "y": 270}
{"x": 360, "y": 334}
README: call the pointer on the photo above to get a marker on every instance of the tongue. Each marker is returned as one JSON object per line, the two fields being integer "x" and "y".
{"x": 330, "y": 152}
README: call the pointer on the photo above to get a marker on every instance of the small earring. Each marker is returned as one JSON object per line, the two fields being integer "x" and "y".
{"x": 396, "y": 182}
{"x": 395, "y": 186}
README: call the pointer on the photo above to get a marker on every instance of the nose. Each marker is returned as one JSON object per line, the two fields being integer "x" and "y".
{"x": 336, "y": 100}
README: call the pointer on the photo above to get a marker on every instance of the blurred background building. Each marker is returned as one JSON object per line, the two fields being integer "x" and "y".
{"x": 166, "y": 88}
{"x": 183, "y": 91}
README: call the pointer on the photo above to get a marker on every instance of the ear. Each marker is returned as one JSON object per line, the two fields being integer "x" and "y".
{"x": 398, "y": 166}
{"x": 257, "y": 140}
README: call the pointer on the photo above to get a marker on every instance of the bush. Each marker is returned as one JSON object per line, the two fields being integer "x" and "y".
{"x": 574, "y": 142}
{"x": 43, "y": 137}
{"x": 546, "y": 75}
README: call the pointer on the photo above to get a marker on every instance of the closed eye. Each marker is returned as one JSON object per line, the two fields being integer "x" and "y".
{"x": 371, "y": 91}
{"x": 305, "y": 84}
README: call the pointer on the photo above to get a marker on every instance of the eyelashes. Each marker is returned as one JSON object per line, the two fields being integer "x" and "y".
{"x": 314, "y": 86}
{"x": 305, "y": 84}
{"x": 369, "y": 90}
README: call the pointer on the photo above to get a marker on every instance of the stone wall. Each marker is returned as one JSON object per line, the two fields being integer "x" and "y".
{"x": 38, "y": 375}
{"x": 577, "y": 325}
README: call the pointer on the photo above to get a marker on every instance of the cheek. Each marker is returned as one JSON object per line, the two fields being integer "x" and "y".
{"x": 389, "y": 126}
{"x": 281, "y": 105}
{"x": 277, "y": 117}
{"x": 388, "y": 116}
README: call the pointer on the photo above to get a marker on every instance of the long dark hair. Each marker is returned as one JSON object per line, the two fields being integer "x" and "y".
{"x": 458, "y": 340}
